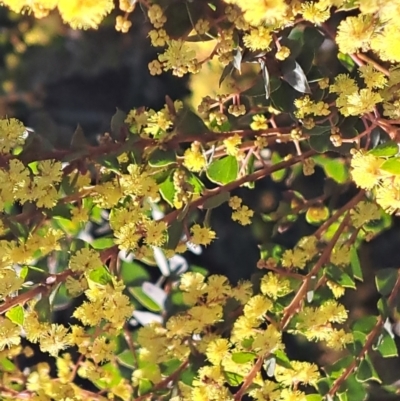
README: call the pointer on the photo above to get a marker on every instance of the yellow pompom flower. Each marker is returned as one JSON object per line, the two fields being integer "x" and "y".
{"x": 84, "y": 13}
{"x": 202, "y": 235}
{"x": 365, "y": 170}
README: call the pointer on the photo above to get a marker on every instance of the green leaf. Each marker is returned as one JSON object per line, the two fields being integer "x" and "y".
{"x": 197, "y": 184}
{"x": 366, "y": 371}
{"x": 117, "y": 123}
{"x": 317, "y": 130}
{"x": 387, "y": 149}
{"x": 324, "y": 385}
{"x": 278, "y": 175}
{"x": 314, "y": 397}
{"x": 386, "y": 345}
{"x": 282, "y": 359}
{"x": 365, "y": 324}
{"x": 294, "y": 75}
{"x": 266, "y": 78}
{"x": 338, "y": 276}
{"x": 162, "y": 158}
{"x": 243, "y": 357}
{"x": 346, "y": 61}
{"x": 145, "y": 386}
{"x": 217, "y": 200}
{"x": 233, "y": 379}
{"x": 78, "y": 140}
{"x": 355, "y": 264}
{"x": 352, "y": 390}
{"x": 103, "y": 243}
{"x": 133, "y": 273}
{"x": 313, "y": 37}
{"x": 392, "y": 166}
{"x": 43, "y": 310}
{"x": 144, "y": 299}
{"x": 385, "y": 280}
{"x": 175, "y": 231}
{"x": 189, "y": 123}
{"x": 168, "y": 190}
{"x": 336, "y": 369}
{"x": 224, "y": 170}
{"x": 227, "y": 71}
{"x": 16, "y": 314}
{"x": 6, "y": 365}
{"x": 126, "y": 358}
{"x": 101, "y": 275}
{"x": 112, "y": 377}
{"x": 334, "y": 168}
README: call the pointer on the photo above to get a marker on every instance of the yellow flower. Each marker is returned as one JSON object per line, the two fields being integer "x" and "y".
{"x": 275, "y": 286}
{"x": 9, "y": 333}
{"x": 202, "y": 235}
{"x": 259, "y": 122}
{"x": 84, "y": 13}
{"x": 268, "y": 341}
{"x": 355, "y": 33}
{"x": 365, "y": 170}
{"x": 217, "y": 350}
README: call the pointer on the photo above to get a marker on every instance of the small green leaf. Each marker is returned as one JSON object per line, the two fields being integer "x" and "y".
{"x": 386, "y": 345}
{"x": 387, "y": 149}
{"x": 78, "y": 140}
{"x": 336, "y": 369}
{"x": 233, "y": 379}
{"x": 282, "y": 359}
{"x": 16, "y": 314}
{"x": 101, "y": 275}
{"x": 338, "y": 276}
{"x": 217, "y": 200}
{"x": 366, "y": 371}
{"x": 266, "y": 78}
{"x": 117, "y": 123}
{"x": 6, "y": 365}
{"x": 224, "y": 170}
{"x": 43, "y": 310}
{"x": 385, "y": 280}
{"x": 103, "y": 243}
{"x": 175, "y": 231}
{"x": 355, "y": 264}
{"x": 294, "y": 75}
{"x": 197, "y": 184}
{"x": 144, "y": 299}
{"x": 168, "y": 190}
{"x": 243, "y": 357}
{"x": 314, "y": 397}
{"x": 278, "y": 175}
{"x": 126, "y": 358}
{"x": 227, "y": 71}
{"x": 145, "y": 386}
{"x": 162, "y": 158}
{"x": 346, "y": 61}
{"x": 392, "y": 166}
{"x": 133, "y": 273}
{"x": 365, "y": 324}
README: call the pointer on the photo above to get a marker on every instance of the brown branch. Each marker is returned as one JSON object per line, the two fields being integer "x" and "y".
{"x": 368, "y": 344}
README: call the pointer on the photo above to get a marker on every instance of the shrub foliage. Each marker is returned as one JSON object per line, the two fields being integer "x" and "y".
{"x": 304, "y": 85}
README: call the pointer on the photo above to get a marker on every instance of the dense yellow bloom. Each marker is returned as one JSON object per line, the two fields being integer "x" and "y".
{"x": 194, "y": 159}
{"x": 9, "y": 333}
{"x": 258, "y": 39}
{"x": 257, "y": 11}
{"x": 11, "y": 134}
{"x": 84, "y": 13}
{"x": 257, "y": 307}
{"x": 217, "y": 350}
{"x": 366, "y": 170}
{"x": 54, "y": 339}
{"x": 302, "y": 372}
{"x": 268, "y": 341}
{"x": 202, "y": 235}
{"x": 275, "y": 286}
{"x": 355, "y": 33}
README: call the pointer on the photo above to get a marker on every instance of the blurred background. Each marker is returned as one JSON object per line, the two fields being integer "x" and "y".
{"x": 53, "y": 78}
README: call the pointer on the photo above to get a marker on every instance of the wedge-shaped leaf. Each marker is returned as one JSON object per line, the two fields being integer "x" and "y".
{"x": 365, "y": 324}
{"x": 392, "y": 166}
{"x": 386, "y": 345}
{"x": 175, "y": 231}
{"x": 16, "y": 314}
{"x": 126, "y": 358}
{"x": 338, "y": 276}
{"x": 117, "y": 123}
{"x": 101, "y": 275}
{"x": 294, "y": 75}
{"x": 168, "y": 190}
{"x": 233, "y": 379}
{"x": 387, "y": 149}
{"x": 355, "y": 264}
{"x": 144, "y": 299}
{"x": 103, "y": 243}
{"x": 366, "y": 371}
{"x": 156, "y": 293}
{"x": 133, "y": 273}
{"x": 243, "y": 357}
{"x": 217, "y": 200}
{"x": 385, "y": 280}
{"x": 224, "y": 170}
{"x": 78, "y": 140}
{"x": 226, "y": 72}
{"x": 162, "y": 158}
{"x": 237, "y": 59}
